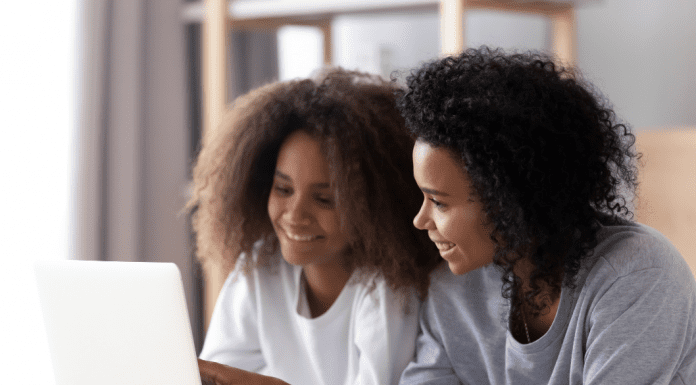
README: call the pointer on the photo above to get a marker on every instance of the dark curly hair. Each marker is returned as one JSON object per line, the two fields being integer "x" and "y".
{"x": 368, "y": 150}
{"x": 545, "y": 155}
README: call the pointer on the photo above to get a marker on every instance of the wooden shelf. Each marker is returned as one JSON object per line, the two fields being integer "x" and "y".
{"x": 311, "y": 9}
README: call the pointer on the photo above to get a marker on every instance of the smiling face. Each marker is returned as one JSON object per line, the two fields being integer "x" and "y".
{"x": 301, "y": 205}
{"x": 454, "y": 219}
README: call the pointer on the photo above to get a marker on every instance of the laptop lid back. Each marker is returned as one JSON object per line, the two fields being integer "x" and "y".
{"x": 116, "y": 323}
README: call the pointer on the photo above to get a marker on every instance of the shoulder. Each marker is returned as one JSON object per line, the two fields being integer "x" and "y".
{"x": 638, "y": 285}
{"x": 636, "y": 266}
{"x": 372, "y": 294}
{"x": 445, "y": 284}
{"x": 255, "y": 277}
{"x": 442, "y": 277}
{"x": 631, "y": 247}
{"x": 456, "y": 296}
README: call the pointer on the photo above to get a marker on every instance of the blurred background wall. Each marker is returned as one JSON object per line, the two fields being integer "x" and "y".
{"x": 640, "y": 53}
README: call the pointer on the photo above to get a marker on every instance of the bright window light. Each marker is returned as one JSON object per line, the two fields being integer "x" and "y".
{"x": 300, "y": 51}
{"x": 38, "y": 41}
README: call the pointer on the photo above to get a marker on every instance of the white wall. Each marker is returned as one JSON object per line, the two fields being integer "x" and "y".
{"x": 642, "y": 54}
{"x": 300, "y": 50}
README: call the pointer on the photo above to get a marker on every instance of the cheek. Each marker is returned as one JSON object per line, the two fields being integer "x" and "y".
{"x": 274, "y": 208}
{"x": 444, "y": 224}
{"x": 483, "y": 229}
{"x": 330, "y": 223}
{"x": 456, "y": 227}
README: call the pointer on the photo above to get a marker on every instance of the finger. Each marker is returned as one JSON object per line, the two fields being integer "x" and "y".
{"x": 213, "y": 373}
{"x": 210, "y": 372}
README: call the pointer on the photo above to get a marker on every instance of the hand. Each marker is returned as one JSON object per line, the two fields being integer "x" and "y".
{"x": 213, "y": 373}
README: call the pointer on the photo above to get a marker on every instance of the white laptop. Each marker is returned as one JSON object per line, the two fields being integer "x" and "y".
{"x": 116, "y": 323}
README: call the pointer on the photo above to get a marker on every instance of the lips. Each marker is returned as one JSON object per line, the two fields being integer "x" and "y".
{"x": 300, "y": 236}
{"x": 443, "y": 246}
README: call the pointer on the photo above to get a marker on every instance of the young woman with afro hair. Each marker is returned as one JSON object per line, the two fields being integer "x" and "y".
{"x": 527, "y": 178}
{"x": 306, "y": 193}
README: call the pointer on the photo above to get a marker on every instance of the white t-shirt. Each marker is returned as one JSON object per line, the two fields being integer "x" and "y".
{"x": 261, "y": 323}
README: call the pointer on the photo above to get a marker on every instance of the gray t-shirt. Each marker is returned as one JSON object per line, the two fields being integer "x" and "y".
{"x": 630, "y": 320}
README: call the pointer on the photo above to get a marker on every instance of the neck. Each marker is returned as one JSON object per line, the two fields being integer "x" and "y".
{"x": 537, "y": 325}
{"x": 324, "y": 285}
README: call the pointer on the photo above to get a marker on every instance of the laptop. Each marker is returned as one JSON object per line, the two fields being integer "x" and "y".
{"x": 116, "y": 323}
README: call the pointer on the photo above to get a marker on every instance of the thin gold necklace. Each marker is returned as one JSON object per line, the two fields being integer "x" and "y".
{"x": 526, "y": 330}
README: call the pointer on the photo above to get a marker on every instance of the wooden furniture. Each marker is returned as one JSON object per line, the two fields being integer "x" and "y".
{"x": 667, "y": 191}
{"x": 272, "y": 14}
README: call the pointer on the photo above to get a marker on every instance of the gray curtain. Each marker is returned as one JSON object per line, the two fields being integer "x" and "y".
{"x": 139, "y": 129}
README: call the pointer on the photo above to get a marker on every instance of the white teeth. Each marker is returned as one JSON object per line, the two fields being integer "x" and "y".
{"x": 444, "y": 246}
{"x": 302, "y": 238}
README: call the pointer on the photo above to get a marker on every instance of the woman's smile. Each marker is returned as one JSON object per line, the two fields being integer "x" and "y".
{"x": 301, "y": 237}
{"x": 444, "y": 246}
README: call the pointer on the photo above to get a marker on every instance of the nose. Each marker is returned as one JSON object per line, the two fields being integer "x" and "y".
{"x": 422, "y": 220}
{"x": 297, "y": 213}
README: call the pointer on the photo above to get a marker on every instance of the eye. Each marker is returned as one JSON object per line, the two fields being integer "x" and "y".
{"x": 325, "y": 201}
{"x": 439, "y": 205}
{"x": 282, "y": 190}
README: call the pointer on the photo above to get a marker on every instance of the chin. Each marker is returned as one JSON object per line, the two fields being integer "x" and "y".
{"x": 460, "y": 267}
{"x": 296, "y": 259}
{"x": 463, "y": 268}
{"x": 457, "y": 269}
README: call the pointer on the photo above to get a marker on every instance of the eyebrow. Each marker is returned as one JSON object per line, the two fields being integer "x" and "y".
{"x": 287, "y": 178}
{"x": 434, "y": 192}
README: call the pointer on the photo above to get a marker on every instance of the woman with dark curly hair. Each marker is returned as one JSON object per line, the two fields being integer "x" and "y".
{"x": 306, "y": 194}
{"x": 527, "y": 177}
